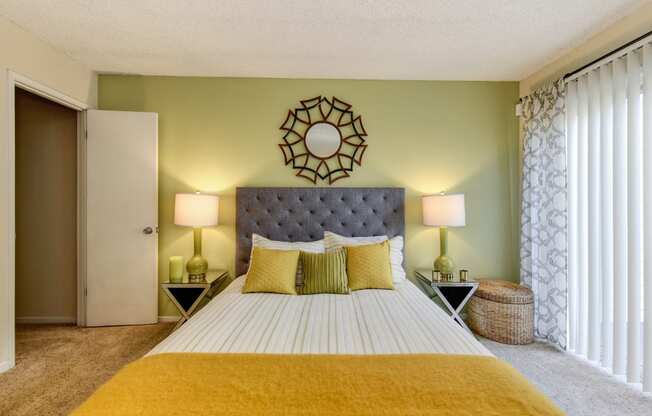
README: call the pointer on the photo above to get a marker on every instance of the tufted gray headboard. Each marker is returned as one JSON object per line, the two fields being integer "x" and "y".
{"x": 303, "y": 214}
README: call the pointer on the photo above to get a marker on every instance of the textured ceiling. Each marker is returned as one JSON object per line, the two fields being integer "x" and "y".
{"x": 384, "y": 39}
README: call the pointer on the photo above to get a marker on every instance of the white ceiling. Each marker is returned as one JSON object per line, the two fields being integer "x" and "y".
{"x": 359, "y": 39}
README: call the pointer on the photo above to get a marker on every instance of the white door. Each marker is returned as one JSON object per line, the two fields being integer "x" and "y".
{"x": 121, "y": 218}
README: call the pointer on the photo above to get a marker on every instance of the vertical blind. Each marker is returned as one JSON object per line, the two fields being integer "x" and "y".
{"x": 609, "y": 142}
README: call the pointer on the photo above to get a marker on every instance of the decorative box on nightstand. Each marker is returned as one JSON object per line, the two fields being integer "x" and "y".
{"x": 187, "y": 296}
{"x": 453, "y": 294}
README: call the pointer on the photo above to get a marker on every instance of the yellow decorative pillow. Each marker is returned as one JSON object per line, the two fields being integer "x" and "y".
{"x": 368, "y": 266}
{"x": 272, "y": 271}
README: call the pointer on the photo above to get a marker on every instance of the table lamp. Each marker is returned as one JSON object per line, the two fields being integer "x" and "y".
{"x": 444, "y": 211}
{"x": 196, "y": 211}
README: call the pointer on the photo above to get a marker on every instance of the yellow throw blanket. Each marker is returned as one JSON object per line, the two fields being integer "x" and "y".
{"x": 255, "y": 384}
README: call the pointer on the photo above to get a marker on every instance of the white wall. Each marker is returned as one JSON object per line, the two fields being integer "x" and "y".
{"x": 27, "y": 55}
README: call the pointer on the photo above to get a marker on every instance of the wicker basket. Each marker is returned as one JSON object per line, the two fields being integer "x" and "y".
{"x": 502, "y": 311}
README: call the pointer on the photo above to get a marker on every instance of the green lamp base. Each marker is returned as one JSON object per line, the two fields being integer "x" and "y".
{"x": 444, "y": 264}
{"x": 197, "y": 266}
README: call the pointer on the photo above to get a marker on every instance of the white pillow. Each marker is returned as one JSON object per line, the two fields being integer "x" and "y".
{"x": 307, "y": 246}
{"x": 334, "y": 241}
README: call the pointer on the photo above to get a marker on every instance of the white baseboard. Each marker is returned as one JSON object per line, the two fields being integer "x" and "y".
{"x": 169, "y": 318}
{"x": 46, "y": 320}
{"x": 5, "y": 366}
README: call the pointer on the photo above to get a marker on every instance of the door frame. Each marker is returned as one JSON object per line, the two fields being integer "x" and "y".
{"x": 17, "y": 80}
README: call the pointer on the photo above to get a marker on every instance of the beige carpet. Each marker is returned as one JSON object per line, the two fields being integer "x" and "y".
{"x": 57, "y": 367}
{"x": 578, "y": 387}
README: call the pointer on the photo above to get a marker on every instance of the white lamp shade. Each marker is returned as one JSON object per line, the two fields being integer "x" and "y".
{"x": 444, "y": 210}
{"x": 196, "y": 210}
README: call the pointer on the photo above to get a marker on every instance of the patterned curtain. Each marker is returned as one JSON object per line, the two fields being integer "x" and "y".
{"x": 544, "y": 210}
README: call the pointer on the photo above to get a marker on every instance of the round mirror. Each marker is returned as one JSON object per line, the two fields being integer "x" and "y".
{"x": 323, "y": 140}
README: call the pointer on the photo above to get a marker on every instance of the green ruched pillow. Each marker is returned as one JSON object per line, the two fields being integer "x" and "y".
{"x": 324, "y": 273}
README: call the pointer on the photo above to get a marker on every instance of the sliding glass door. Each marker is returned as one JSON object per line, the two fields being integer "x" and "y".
{"x": 609, "y": 142}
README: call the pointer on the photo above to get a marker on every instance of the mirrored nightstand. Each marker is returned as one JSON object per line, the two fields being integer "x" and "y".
{"x": 453, "y": 294}
{"x": 187, "y": 296}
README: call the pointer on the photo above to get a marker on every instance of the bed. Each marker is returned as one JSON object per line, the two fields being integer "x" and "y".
{"x": 370, "y": 352}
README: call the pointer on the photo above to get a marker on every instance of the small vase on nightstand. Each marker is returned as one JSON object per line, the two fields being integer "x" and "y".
{"x": 176, "y": 269}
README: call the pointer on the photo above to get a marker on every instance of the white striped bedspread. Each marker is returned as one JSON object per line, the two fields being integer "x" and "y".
{"x": 400, "y": 321}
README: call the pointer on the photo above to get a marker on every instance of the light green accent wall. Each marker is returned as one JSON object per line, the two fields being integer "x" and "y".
{"x": 219, "y": 133}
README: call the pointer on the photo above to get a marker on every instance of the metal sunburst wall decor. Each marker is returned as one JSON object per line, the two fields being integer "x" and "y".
{"x": 323, "y": 139}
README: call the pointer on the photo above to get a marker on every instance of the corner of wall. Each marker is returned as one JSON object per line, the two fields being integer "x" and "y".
{"x": 26, "y": 54}
{"x": 93, "y": 91}
{"x": 622, "y": 31}
{"x": 5, "y": 366}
